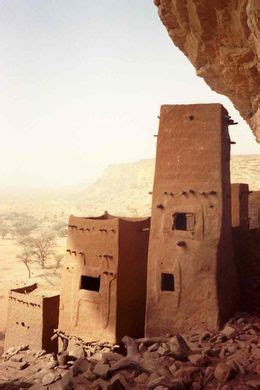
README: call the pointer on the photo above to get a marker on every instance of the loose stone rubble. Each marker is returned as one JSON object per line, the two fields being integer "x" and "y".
{"x": 227, "y": 359}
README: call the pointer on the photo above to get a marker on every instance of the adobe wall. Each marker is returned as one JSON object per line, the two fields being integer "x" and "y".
{"x": 29, "y": 316}
{"x": 94, "y": 250}
{"x": 239, "y": 203}
{"x": 132, "y": 271}
{"x": 191, "y": 276}
{"x": 254, "y": 209}
{"x": 247, "y": 256}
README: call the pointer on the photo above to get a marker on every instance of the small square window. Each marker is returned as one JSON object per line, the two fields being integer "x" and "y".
{"x": 183, "y": 221}
{"x": 167, "y": 282}
{"x": 90, "y": 283}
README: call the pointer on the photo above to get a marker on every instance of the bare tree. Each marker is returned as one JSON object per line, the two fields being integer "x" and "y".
{"x": 4, "y": 232}
{"x": 27, "y": 258}
{"x": 4, "y": 229}
{"x": 43, "y": 249}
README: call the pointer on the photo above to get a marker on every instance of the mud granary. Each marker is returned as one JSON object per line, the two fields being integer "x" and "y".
{"x": 254, "y": 209}
{"x": 192, "y": 280}
{"x": 104, "y": 278}
{"x": 33, "y": 313}
{"x": 246, "y": 244}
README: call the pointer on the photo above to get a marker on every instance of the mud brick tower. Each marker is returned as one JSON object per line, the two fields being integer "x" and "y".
{"x": 254, "y": 209}
{"x": 239, "y": 203}
{"x": 103, "y": 289}
{"x": 192, "y": 280}
{"x": 33, "y": 313}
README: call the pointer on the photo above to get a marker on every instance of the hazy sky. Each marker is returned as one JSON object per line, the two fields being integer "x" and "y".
{"x": 82, "y": 82}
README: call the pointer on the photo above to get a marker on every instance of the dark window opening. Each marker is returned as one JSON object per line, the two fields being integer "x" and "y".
{"x": 167, "y": 282}
{"x": 183, "y": 221}
{"x": 90, "y": 283}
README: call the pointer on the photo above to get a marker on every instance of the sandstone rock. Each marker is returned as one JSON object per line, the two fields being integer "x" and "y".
{"x": 213, "y": 352}
{"x": 118, "y": 382}
{"x": 77, "y": 352}
{"x": 81, "y": 365}
{"x": 151, "y": 360}
{"x": 218, "y": 37}
{"x": 12, "y": 350}
{"x": 50, "y": 377}
{"x": 205, "y": 336}
{"x": 173, "y": 368}
{"x": 198, "y": 360}
{"x": 186, "y": 375}
{"x": 153, "y": 376}
{"x": 163, "y": 349}
{"x": 41, "y": 353}
{"x": 18, "y": 365}
{"x": 256, "y": 353}
{"x": 23, "y": 347}
{"x": 164, "y": 371}
{"x": 81, "y": 380}
{"x": 164, "y": 382}
{"x": 257, "y": 368}
{"x": 52, "y": 364}
{"x": 231, "y": 349}
{"x": 99, "y": 384}
{"x": 67, "y": 379}
{"x": 88, "y": 374}
{"x": 223, "y": 372}
{"x": 111, "y": 357}
{"x": 254, "y": 383}
{"x": 16, "y": 358}
{"x": 142, "y": 378}
{"x": 153, "y": 347}
{"x": 208, "y": 375}
{"x": 166, "y": 361}
{"x": 229, "y": 332}
{"x": 142, "y": 347}
{"x": 101, "y": 370}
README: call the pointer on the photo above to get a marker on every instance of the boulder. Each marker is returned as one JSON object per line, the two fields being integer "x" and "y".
{"x": 229, "y": 332}
{"x": 50, "y": 377}
{"x": 198, "y": 360}
{"x": 101, "y": 370}
{"x": 142, "y": 378}
{"x": 118, "y": 382}
{"x": 223, "y": 372}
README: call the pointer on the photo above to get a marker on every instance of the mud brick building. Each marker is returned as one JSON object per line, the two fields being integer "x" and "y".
{"x": 192, "y": 279}
{"x": 254, "y": 209}
{"x": 33, "y": 314}
{"x": 246, "y": 244}
{"x": 239, "y": 203}
{"x": 104, "y": 278}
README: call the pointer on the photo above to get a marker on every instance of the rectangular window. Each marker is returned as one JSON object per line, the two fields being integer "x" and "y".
{"x": 183, "y": 221}
{"x": 167, "y": 282}
{"x": 90, "y": 283}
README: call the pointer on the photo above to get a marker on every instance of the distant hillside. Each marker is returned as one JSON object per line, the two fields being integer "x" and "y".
{"x": 246, "y": 169}
{"x": 123, "y": 189}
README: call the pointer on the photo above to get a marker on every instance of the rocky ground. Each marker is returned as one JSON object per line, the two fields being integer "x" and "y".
{"x": 227, "y": 359}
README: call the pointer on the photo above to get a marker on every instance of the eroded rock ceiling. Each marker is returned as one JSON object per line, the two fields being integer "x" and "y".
{"x": 221, "y": 38}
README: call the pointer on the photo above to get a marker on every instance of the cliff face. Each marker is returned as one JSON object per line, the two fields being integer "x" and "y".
{"x": 221, "y": 38}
